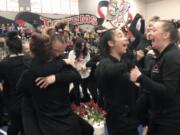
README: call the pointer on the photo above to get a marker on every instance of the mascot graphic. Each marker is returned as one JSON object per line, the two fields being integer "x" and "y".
{"x": 117, "y": 13}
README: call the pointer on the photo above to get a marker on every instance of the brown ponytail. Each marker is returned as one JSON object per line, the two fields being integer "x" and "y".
{"x": 41, "y": 48}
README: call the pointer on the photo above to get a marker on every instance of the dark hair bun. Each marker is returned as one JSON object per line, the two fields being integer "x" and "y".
{"x": 13, "y": 42}
{"x": 12, "y": 34}
{"x": 178, "y": 24}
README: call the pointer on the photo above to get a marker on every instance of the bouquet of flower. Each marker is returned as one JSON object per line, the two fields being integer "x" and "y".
{"x": 90, "y": 111}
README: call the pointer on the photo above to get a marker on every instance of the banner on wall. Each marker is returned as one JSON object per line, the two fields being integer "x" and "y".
{"x": 116, "y": 15}
{"x": 37, "y": 20}
{"x": 4, "y": 20}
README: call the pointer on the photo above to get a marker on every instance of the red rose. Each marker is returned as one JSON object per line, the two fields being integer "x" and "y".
{"x": 91, "y": 104}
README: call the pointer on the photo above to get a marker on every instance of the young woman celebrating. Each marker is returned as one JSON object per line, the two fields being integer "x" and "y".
{"x": 81, "y": 56}
{"x": 11, "y": 68}
{"x": 164, "y": 83}
{"x": 113, "y": 82}
{"x": 50, "y": 112}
